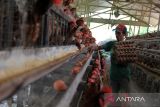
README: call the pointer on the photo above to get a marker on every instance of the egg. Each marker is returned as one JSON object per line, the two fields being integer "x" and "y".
{"x": 59, "y": 85}
{"x": 76, "y": 69}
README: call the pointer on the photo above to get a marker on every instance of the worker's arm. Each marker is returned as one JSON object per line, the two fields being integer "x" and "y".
{"x": 107, "y": 46}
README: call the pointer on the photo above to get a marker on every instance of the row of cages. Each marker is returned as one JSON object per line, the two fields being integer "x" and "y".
{"x": 48, "y": 90}
{"x": 94, "y": 79}
{"x": 143, "y": 51}
{"x": 21, "y": 25}
{"x": 149, "y": 83}
{"x": 147, "y": 65}
{"x": 148, "y": 54}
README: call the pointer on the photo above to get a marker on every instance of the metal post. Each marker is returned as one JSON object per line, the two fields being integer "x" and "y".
{"x": 66, "y": 33}
{"x": 130, "y": 26}
{"x": 110, "y": 16}
{"x": 67, "y": 27}
{"x": 134, "y": 30}
{"x": 8, "y": 25}
{"x": 141, "y": 19}
{"x": 1, "y": 23}
{"x": 61, "y": 31}
{"x": 65, "y": 37}
{"x": 58, "y": 30}
{"x": 149, "y": 18}
{"x": 10, "y": 22}
{"x": 159, "y": 23}
{"x": 47, "y": 25}
{"x": 87, "y": 12}
{"x": 139, "y": 30}
{"x": 43, "y": 30}
{"x": 135, "y": 27}
{"x": 54, "y": 29}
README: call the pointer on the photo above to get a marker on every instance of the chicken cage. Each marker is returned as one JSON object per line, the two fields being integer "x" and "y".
{"x": 26, "y": 23}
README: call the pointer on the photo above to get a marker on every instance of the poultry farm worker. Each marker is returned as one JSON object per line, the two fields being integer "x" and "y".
{"x": 119, "y": 73}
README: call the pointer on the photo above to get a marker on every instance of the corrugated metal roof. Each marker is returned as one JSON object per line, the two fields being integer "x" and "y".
{"x": 146, "y": 11}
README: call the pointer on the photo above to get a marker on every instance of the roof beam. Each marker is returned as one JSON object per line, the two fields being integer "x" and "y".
{"x": 108, "y": 21}
{"x": 151, "y": 8}
{"x": 125, "y": 8}
{"x": 98, "y": 26}
{"x": 96, "y": 13}
{"x": 127, "y": 13}
{"x": 155, "y": 4}
{"x": 121, "y": 6}
{"x": 137, "y": 2}
{"x": 99, "y": 13}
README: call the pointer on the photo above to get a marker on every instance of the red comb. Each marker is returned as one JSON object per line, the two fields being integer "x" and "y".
{"x": 57, "y": 2}
{"x": 106, "y": 89}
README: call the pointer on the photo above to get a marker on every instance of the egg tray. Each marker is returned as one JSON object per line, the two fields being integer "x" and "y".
{"x": 124, "y": 52}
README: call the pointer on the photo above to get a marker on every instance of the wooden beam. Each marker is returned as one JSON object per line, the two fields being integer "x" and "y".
{"x": 108, "y": 21}
{"x": 137, "y": 2}
{"x": 96, "y": 13}
{"x": 124, "y": 8}
{"x": 155, "y": 4}
{"x": 105, "y": 23}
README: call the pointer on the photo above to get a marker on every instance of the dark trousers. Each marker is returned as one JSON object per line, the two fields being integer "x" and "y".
{"x": 121, "y": 86}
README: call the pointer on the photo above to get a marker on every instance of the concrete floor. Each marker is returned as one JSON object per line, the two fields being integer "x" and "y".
{"x": 151, "y": 99}
{"x": 134, "y": 88}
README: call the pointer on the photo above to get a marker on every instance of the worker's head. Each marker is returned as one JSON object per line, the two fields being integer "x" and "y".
{"x": 121, "y": 32}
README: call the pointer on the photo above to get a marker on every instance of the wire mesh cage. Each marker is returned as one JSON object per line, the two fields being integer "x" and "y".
{"x": 26, "y": 23}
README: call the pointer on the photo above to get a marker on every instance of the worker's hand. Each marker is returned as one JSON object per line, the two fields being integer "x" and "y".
{"x": 99, "y": 47}
{"x": 95, "y": 47}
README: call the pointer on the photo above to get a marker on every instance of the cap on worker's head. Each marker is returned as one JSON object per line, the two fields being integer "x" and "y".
{"x": 121, "y": 28}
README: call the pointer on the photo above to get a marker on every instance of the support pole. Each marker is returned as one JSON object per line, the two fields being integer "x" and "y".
{"x": 159, "y": 23}
{"x": 149, "y": 18}
{"x": 139, "y": 29}
{"x": 130, "y": 26}
{"x": 135, "y": 27}
{"x": 87, "y": 13}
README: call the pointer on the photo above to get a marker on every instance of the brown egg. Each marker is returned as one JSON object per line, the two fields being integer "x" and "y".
{"x": 59, "y": 85}
{"x": 84, "y": 60}
{"x": 76, "y": 69}
{"x": 79, "y": 63}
